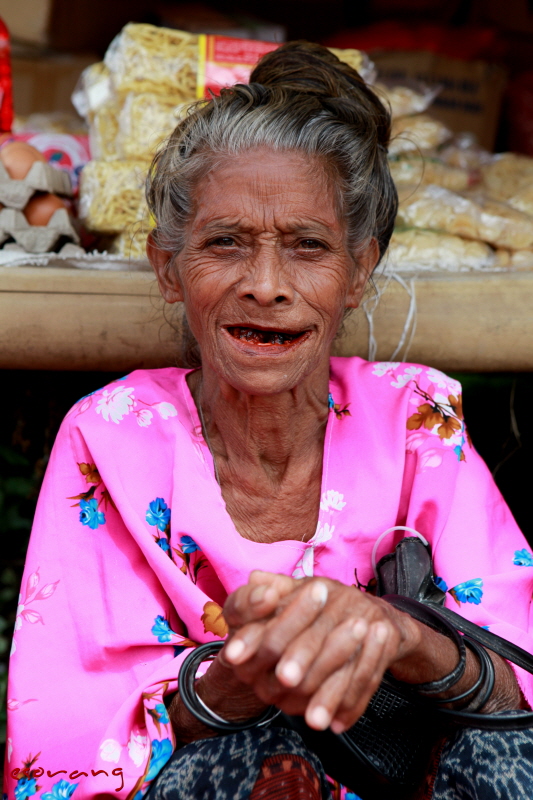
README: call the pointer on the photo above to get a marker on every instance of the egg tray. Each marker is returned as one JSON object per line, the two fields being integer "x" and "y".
{"x": 14, "y": 227}
{"x": 41, "y": 177}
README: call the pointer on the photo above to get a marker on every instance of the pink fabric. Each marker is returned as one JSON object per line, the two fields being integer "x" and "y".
{"x": 114, "y": 594}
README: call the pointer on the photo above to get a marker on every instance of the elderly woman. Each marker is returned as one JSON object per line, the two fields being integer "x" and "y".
{"x": 258, "y": 484}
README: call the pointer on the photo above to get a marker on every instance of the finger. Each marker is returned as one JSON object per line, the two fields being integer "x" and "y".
{"x": 282, "y": 583}
{"x": 308, "y": 661}
{"x": 250, "y": 603}
{"x": 323, "y": 705}
{"x": 278, "y": 632}
{"x": 378, "y": 652}
{"x": 249, "y": 639}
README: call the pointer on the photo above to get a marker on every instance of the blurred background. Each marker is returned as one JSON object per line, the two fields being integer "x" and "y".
{"x": 477, "y": 54}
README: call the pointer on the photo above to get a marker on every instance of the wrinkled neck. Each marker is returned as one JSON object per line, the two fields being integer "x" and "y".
{"x": 272, "y": 431}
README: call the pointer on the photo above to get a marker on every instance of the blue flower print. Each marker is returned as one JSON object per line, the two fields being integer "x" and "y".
{"x": 158, "y": 514}
{"x": 331, "y": 402}
{"x": 25, "y": 788}
{"x": 162, "y": 712}
{"x": 162, "y": 629}
{"x": 61, "y": 790}
{"x": 161, "y": 752}
{"x": 441, "y": 583}
{"x": 188, "y": 545}
{"x": 89, "y": 514}
{"x": 163, "y": 544}
{"x": 523, "y": 558}
{"x": 468, "y": 592}
{"x": 352, "y": 796}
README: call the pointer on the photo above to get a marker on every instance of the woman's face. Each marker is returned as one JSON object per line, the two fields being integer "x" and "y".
{"x": 265, "y": 273}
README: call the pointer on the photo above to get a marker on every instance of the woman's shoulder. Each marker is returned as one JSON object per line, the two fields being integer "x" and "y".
{"x": 139, "y": 398}
{"x": 393, "y": 376}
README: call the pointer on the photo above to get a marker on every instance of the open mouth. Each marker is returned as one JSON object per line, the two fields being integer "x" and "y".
{"x": 262, "y": 338}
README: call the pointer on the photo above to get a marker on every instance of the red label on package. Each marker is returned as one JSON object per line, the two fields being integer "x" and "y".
{"x": 223, "y": 61}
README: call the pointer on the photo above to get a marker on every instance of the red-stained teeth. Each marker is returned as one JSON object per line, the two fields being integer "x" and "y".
{"x": 261, "y": 337}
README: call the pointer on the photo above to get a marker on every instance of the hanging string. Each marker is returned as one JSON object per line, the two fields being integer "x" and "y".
{"x": 370, "y": 305}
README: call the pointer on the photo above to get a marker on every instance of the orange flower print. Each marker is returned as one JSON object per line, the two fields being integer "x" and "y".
{"x": 456, "y": 404}
{"x": 91, "y": 473}
{"x": 427, "y": 416}
{"x": 213, "y": 619}
{"x": 448, "y": 427}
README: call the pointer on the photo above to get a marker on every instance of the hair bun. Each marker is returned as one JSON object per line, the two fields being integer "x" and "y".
{"x": 308, "y": 68}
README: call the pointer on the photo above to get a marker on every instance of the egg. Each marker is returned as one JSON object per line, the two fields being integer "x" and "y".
{"x": 18, "y": 157}
{"x": 40, "y": 208}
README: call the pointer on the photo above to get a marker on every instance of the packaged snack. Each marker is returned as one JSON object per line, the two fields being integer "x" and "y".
{"x": 92, "y": 91}
{"x": 420, "y": 132}
{"x": 414, "y": 170}
{"x": 509, "y": 177}
{"x": 503, "y": 225}
{"x": 473, "y": 217}
{"x": 131, "y": 244}
{"x": 465, "y": 152}
{"x": 144, "y": 121}
{"x": 406, "y": 98}
{"x": 414, "y": 250}
{"x": 103, "y": 131}
{"x": 112, "y": 195}
{"x": 145, "y": 58}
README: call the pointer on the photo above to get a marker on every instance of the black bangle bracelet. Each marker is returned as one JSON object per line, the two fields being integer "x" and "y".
{"x": 427, "y": 616}
{"x": 186, "y": 680}
{"x": 486, "y": 690}
{"x": 483, "y": 669}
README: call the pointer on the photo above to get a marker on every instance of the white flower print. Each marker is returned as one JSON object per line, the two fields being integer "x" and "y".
{"x": 115, "y": 405}
{"x": 429, "y": 460}
{"x": 110, "y": 750}
{"x": 305, "y": 566}
{"x": 385, "y": 368}
{"x": 144, "y": 417}
{"x": 138, "y": 747}
{"x": 443, "y": 381}
{"x": 165, "y": 410}
{"x": 332, "y": 500}
{"x": 13, "y": 647}
{"x": 409, "y": 375}
{"x": 413, "y": 441}
{"x": 9, "y": 748}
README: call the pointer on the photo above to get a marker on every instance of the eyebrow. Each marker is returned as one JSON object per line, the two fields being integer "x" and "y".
{"x": 234, "y": 227}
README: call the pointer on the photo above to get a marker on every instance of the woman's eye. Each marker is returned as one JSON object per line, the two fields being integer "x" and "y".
{"x": 310, "y": 244}
{"x": 223, "y": 241}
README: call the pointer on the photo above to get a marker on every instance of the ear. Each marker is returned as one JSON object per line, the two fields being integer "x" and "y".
{"x": 167, "y": 279}
{"x": 365, "y": 267}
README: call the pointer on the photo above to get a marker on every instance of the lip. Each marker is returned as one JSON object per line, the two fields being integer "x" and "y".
{"x": 266, "y": 349}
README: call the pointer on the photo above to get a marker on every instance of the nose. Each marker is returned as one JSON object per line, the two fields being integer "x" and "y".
{"x": 266, "y": 281}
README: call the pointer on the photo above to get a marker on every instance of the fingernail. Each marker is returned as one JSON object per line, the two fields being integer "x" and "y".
{"x": 337, "y": 726}
{"x": 319, "y": 593}
{"x": 234, "y": 649}
{"x": 360, "y": 629}
{"x": 318, "y": 718}
{"x": 290, "y": 673}
{"x": 380, "y": 633}
{"x": 258, "y": 593}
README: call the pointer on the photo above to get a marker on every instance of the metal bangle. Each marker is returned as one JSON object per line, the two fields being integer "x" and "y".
{"x": 195, "y": 705}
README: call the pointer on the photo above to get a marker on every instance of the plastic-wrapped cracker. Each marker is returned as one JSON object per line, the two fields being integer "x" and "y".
{"x": 509, "y": 177}
{"x": 160, "y": 60}
{"x": 419, "y": 132}
{"x": 412, "y": 250}
{"x": 112, "y": 195}
{"x": 406, "y": 98}
{"x": 472, "y": 217}
{"x": 413, "y": 169}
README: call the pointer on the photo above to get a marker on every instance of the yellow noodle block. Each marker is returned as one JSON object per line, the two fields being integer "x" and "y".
{"x": 160, "y": 60}
{"x": 112, "y": 195}
{"x": 145, "y": 120}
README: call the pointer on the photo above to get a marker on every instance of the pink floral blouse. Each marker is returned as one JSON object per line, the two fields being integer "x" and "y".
{"x": 133, "y": 554}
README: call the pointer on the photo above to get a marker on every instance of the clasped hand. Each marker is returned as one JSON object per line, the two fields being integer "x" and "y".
{"x": 313, "y": 647}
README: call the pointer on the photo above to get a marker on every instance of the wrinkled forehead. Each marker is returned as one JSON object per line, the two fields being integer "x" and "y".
{"x": 284, "y": 189}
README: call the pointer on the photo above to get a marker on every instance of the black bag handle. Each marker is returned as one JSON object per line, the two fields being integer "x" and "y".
{"x": 425, "y": 611}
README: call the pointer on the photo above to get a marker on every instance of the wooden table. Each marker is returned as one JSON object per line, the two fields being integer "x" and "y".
{"x": 73, "y": 319}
